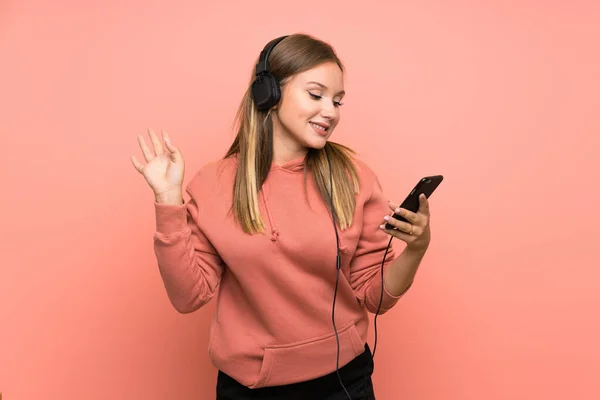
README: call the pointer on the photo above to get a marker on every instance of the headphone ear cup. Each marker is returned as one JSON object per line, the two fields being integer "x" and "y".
{"x": 265, "y": 91}
{"x": 275, "y": 90}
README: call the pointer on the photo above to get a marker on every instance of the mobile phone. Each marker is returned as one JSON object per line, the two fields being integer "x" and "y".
{"x": 426, "y": 186}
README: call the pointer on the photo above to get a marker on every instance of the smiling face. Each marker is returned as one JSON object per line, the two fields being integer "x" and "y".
{"x": 308, "y": 112}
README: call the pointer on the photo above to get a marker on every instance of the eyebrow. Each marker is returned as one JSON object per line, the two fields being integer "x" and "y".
{"x": 325, "y": 87}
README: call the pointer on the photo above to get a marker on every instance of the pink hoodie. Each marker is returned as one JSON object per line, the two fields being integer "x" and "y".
{"x": 274, "y": 291}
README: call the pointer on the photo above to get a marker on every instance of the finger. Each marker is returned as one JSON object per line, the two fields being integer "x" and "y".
{"x": 138, "y": 166}
{"x": 172, "y": 151}
{"x": 145, "y": 150}
{"x": 423, "y": 205}
{"x": 409, "y": 215}
{"x": 168, "y": 144}
{"x": 393, "y": 205}
{"x": 403, "y": 226}
{"x": 405, "y": 237}
{"x": 158, "y": 147}
{"x": 175, "y": 153}
{"x": 166, "y": 138}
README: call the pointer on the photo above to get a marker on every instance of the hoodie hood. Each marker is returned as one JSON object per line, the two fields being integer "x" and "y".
{"x": 296, "y": 165}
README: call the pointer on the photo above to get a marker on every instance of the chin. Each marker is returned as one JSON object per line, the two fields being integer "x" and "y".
{"x": 316, "y": 143}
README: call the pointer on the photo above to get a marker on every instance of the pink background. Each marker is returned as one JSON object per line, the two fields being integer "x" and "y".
{"x": 501, "y": 98}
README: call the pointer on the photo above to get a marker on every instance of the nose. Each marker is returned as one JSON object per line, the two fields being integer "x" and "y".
{"x": 328, "y": 111}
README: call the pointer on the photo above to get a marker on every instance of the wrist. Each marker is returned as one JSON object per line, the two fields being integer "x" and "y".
{"x": 171, "y": 197}
{"x": 415, "y": 252}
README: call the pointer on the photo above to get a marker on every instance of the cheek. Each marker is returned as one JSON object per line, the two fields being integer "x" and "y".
{"x": 306, "y": 110}
{"x": 298, "y": 113}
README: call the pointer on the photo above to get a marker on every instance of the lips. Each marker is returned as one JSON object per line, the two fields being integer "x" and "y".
{"x": 319, "y": 127}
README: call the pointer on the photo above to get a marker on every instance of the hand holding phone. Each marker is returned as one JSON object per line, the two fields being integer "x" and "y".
{"x": 426, "y": 186}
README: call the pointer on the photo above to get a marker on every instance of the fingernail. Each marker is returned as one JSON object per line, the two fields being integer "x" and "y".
{"x": 398, "y": 210}
{"x": 387, "y": 218}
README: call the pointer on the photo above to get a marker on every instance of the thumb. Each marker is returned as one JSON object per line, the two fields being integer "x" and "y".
{"x": 175, "y": 154}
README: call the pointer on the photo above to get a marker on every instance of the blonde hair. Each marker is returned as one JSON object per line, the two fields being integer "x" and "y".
{"x": 253, "y": 144}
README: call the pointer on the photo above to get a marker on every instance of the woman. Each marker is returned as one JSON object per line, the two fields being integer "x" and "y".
{"x": 292, "y": 249}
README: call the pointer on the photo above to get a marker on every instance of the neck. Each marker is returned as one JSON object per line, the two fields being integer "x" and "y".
{"x": 283, "y": 155}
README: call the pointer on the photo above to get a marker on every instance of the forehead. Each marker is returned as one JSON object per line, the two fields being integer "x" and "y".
{"x": 328, "y": 74}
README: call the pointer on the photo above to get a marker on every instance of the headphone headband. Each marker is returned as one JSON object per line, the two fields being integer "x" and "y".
{"x": 263, "y": 62}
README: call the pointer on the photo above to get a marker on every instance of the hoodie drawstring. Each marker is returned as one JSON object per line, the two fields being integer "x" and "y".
{"x": 274, "y": 231}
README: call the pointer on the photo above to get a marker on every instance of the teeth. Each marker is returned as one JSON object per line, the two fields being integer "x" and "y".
{"x": 319, "y": 127}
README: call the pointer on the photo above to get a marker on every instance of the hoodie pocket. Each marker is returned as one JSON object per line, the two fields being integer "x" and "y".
{"x": 313, "y": 358}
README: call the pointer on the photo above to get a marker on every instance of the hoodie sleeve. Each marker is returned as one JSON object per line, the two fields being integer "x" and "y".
{"x": 189, "y": 265}
{"x": 365, "y": 266}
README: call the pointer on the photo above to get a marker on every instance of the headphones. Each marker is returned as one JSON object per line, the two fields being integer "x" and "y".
{"x": 265, "y": 88}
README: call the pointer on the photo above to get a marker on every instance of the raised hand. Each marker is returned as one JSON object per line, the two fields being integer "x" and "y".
{"x": 164, "y": 168}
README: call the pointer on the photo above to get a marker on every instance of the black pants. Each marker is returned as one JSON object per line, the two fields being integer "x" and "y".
{"x": 356, "y": 376}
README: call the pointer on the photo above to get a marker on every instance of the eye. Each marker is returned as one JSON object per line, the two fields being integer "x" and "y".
{"x": 317, "y": 97}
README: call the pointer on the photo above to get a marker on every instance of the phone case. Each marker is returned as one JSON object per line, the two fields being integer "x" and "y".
{"x": 426, "y": 185}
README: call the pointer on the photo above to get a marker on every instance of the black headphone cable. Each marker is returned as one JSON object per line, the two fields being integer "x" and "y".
{"x": 338, "y": 267}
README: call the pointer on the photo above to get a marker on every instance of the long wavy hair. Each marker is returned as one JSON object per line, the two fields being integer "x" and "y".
{"x": 253, "y": 144}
